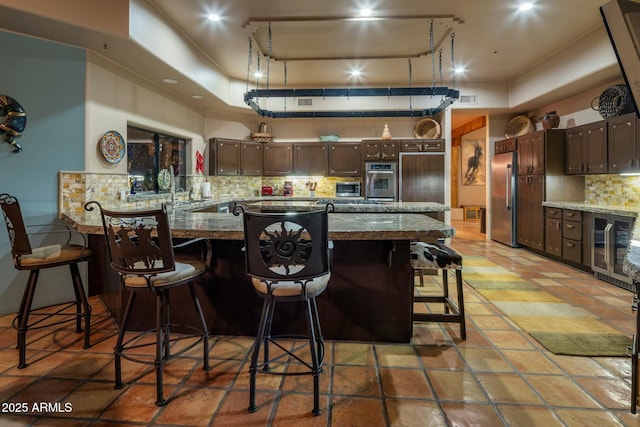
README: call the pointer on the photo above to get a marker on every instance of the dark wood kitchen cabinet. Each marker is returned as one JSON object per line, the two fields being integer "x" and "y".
{"x": 531, "y": 153}
{"x": 345, "y": 159}
{"x": 530, "y": 218}
{"x": 572, "y": 235}
{"x": 421, "y": 145}
{"x": 251, "y": 158}
{"x": 379, "y": 149}
{"x": 278, "y": 159}
{"x": 224, "y": 156}
{"x": 624, "y": 150}
{"x": 553, "y": 231}
{"x": 586, "y": 149}
{"x": 310, "y": 158}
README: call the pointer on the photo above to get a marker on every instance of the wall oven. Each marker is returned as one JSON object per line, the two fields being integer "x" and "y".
{"x": 381, "y": 181}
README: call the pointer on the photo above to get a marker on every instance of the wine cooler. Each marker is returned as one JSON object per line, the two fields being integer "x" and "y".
{"x": 611, "y": 234}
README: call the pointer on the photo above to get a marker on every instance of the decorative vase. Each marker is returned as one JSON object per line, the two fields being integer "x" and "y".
{"x": 386, "y": 133}
{"x": 550, "y": 120}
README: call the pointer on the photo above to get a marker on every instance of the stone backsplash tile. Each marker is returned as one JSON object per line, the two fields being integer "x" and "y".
{"x": 612, "y": 190}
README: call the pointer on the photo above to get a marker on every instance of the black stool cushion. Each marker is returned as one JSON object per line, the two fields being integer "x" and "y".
{"x": 434, "y": 256}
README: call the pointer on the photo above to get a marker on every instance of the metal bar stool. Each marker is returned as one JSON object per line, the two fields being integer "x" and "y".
{"x": 437, "y": 256}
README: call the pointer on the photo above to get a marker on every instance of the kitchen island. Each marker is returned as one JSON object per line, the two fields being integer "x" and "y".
{"x": 369, "y": 297}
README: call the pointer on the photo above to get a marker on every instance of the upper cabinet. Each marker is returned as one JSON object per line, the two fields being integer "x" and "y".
{"x": 624, "y": 144}
{"x": 278, "y": 159}
{"x": 251, "y": 158}
{"x": 224, "y": 156}
{"x": 379, "y": 149}
{"x": 422, "y": 145}
{"x": 310, "y": 158}
{"x": 345, "y": 159}
{"x": 531, "y": 153}
{"x": 586, "y": 149}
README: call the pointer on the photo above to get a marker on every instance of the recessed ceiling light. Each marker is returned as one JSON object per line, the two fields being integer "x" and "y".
{"x": 170, "y": 81}
{"x": 257, "y": 74}
{"x": 355, "y": 73}
{"x": 365, "y": 12}
{"x": 213, "y": 17}
{"x": 459, "y": 70}
{"x": 197, "y": 96}
{"x": 525, "y": 6}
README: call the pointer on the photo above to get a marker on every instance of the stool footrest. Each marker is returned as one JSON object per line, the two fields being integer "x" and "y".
{"x": 437, "y": 317}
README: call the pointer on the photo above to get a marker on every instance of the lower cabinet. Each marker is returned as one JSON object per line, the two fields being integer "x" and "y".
{"x": 553, "y": 231}
{"x": 530, "y": 214}
{"x": 567, "y": 235}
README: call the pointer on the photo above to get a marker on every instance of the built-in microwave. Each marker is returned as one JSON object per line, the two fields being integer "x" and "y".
{"x": 347, "y": 189}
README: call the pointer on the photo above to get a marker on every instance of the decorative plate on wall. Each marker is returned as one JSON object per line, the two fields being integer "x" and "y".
{"x": 112, "y": 146}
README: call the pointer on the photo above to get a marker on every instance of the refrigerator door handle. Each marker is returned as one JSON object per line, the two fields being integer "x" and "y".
{"x": 607, "y": 245}
{"x": 508, "y": 187}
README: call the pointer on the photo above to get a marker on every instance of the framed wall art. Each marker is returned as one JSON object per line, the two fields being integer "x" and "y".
{"x": 473, "y": 162}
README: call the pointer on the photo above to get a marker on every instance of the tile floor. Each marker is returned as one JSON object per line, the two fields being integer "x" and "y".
{"x": 498, "y": 376}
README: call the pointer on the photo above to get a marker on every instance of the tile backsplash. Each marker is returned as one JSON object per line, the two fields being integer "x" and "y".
{"x": 77, "y": 188}
{"x": 612, "y": 190}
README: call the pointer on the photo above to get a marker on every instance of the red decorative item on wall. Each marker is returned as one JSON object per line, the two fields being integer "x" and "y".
{"x": 199, "y": 162}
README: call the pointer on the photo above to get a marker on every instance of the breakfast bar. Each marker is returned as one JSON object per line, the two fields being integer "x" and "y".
{"x": 369, "y": 297}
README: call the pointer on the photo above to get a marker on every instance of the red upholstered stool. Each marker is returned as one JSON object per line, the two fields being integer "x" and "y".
{"x": 437, "y": 256}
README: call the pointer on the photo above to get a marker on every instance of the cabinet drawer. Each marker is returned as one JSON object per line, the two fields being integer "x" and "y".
{"x": 572, "y": 230}
{"x": 553, "y": 213}
{"x": 572, "y": 215}
{"x": 572, "y": 250}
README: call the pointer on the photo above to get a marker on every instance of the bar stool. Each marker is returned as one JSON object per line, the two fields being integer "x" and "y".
{"x": 288, "y": 258}
{"x": 26, "y": 257}
{"x": 437, "y": 256}
{"x": 140, "y": 251}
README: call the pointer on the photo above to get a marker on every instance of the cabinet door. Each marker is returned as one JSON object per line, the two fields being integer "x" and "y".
{"x": 388, "y": 150}
{"x": 310, "y": 158}
{"x": 227, "y": 157}
{"x": 537, "y": 153}
{"x": 277, "y": 159}
{"x": 524, "y": 155}
{"x": 574, "y": 143}
{"x": 411, "y": 146}
{"x": 537, "y": 212}
{"x": 371, "y": 150}
{"x": 251, "y": 158}
{"x": 344, "y": 159}
{"x": 553, "y": 236}
{"x": 433, "y": 145}
{"x": 523, "y": 213}
{"x": 622, "y": 143}
{"x": 595, "y": 153}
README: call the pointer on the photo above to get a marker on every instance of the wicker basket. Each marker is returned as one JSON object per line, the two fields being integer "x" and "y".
{"x": 261, "y": 137}
{"x": 518, "y": 126}
{"x": 427, "y": 128}
{"x": 614, "y": 101}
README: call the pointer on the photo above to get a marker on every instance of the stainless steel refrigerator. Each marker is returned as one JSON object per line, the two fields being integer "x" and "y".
{"x": 504, "y": 176}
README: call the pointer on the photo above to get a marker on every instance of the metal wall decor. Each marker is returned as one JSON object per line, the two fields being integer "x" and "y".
{"x": 15, "y": 121}
{"x": 447, "y": 96}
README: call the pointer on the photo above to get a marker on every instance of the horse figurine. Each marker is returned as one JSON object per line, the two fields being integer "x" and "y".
{"x": 15, "y": 121}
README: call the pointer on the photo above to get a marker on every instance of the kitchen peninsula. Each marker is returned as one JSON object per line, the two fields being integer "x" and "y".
{"x": 369, "y": 297}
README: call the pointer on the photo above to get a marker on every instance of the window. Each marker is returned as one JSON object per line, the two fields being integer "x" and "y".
{"x": 152, "y": 158}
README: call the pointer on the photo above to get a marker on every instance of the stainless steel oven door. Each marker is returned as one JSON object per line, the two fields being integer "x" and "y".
{"x": 381, "y": 184}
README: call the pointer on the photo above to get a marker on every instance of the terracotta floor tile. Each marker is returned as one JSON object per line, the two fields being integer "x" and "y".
{"x": 491, "y": 323}
{"x": 508, "y": 388}
{"x": 355, "y": 380}
{"x": 440, "y": 357}
{"x": 346, "y": 353}
{"x": 456, "y": 385}
{"x": 264, "y": 381}
{"x": 357, "y": 412}
{"x": 561, "y": 391}
{"x": 587, "y": 418}
{"x": 83, "y": 366}
{"x": 396, "y": 355}
{"x": 412, "y": 412}
{"x": 192, "y": 406}
{"x": 231, "y": 348}
{"x": 523, "y": 415}
{"x": 304, "y": 383}
{"x": 223, "y": 374}
{"x": 399, "y": 382}
{"x": 487, "y": 360}
{"x": 463, "y": 414}
{"x": 509, "y": 339}
{"x": 233, "y": 411}
{"x": 581, "y": 366}
{"x": 135, "y": 404}
{"x": 90, "y": 399}
{"x": 531, "y": 361}
{"x": 294, "y": 410}
{"x": 610, "y": 393}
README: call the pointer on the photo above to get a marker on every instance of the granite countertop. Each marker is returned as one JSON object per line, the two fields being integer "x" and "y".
{"x": 610, "y": 209}
{"x": 346, "y": 205}
{"x": 342, "y": 226}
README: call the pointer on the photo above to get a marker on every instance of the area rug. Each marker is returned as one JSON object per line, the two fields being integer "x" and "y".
{"x": 560, "y": 327}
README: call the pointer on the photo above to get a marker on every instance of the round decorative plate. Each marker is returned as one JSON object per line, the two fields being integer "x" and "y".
{"x": 164, "y": 179}
{"x": 112, "y": 146}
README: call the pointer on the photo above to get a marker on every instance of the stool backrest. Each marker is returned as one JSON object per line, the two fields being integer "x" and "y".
{"x": 286, "y": 246}
{"x": 15, "y": 225}
{"x": 138, "y": 242}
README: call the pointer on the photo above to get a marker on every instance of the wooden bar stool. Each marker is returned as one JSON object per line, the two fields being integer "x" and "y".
{"x": 437, "y": 256}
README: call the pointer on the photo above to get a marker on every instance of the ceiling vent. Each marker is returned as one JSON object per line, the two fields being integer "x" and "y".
{"x": 468, "y": 99}
{"x": 305, "y": 102}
